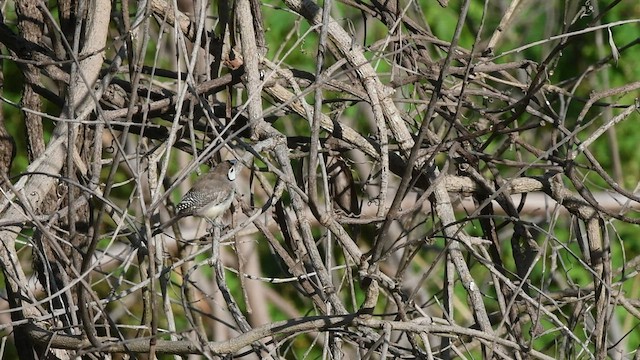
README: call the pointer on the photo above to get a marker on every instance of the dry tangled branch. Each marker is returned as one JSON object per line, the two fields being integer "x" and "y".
{"x": 419, "y": 179}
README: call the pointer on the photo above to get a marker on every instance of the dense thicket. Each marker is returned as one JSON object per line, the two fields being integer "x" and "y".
{"x": 418, "y": 179}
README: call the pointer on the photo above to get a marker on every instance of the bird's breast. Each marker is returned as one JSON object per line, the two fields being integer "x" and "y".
{"x": 214, "y": 210}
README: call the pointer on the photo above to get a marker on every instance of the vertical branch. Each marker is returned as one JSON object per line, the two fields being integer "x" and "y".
{"x": 7, "y": 145}
{"x": 31, "y": 25}
{"x": 82, "y": 99}
{"x": 599, "y": 261}
{"x": 314, "y": 144}
{"x": 250, "y": 53}
{"x": 448, "y": 282}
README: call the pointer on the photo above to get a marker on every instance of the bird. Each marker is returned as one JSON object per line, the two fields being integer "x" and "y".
{"x": 210, "y": 196}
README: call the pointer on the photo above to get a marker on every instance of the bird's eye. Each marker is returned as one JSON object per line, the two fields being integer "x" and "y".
{"x": 232, "y": 174}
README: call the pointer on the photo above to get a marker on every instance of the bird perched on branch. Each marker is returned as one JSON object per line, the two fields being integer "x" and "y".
{"x": 210, "y": 196}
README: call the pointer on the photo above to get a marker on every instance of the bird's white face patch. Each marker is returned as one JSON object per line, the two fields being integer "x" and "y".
{"x": 232, "y": 173}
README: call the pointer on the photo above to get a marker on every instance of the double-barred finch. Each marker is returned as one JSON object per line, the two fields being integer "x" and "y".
{"x": 210, "y": 196}
{"x": 212, "y": 193}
